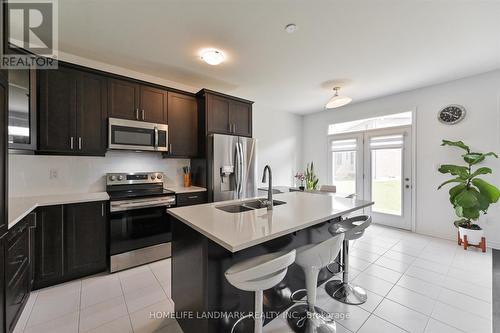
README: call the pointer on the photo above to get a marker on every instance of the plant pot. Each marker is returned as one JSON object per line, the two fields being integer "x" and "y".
{"x": 473, "y": 236}
{"x": 302, "y": 188}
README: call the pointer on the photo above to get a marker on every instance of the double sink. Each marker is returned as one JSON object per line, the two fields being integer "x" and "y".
{"x": 248, "y": 205}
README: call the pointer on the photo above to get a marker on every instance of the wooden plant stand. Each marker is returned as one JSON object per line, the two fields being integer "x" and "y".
{"x": 481, "y": 245}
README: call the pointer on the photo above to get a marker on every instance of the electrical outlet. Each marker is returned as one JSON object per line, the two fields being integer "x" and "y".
{"x": 53, "y": 174}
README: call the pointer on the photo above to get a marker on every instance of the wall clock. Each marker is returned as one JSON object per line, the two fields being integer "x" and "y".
{"x": 451, "y": 114}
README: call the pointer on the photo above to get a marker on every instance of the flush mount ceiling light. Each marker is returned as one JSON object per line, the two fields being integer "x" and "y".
{"x": 337, "y": 100}
{"x": 212, "y": 56}
{"x": 290, "y": 28}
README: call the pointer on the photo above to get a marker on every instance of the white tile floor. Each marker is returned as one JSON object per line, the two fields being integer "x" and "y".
{"x": 414, "y": 284}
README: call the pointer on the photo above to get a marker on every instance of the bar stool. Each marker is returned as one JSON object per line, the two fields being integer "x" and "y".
{"x": 312, "y": 258}
{"x": 258, "y": 274}
{"x": 341, "y": 290}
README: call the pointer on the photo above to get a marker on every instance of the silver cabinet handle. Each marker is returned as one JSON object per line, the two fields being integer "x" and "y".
{"x": 142, "y": 113}
{"x": 80, "y": 142}
{"x": 102, "y": 209}
{"x": 193, "y": 197}
{"x": 71, "y": 143}
{"x": 137, "y": 114}
{"x": 234, "y": 128}
{"x": 170, "y": 148}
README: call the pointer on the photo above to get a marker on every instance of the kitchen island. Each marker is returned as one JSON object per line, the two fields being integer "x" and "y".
{"x": 207, "y": 240}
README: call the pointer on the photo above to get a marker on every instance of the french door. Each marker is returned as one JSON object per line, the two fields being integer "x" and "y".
{"x": 375, "y": 165}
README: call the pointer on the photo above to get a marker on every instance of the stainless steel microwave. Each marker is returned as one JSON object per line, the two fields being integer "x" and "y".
{"x": 137, "y": 135}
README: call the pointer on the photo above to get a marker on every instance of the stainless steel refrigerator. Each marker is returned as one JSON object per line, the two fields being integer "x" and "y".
{"x": 232, "y": 167}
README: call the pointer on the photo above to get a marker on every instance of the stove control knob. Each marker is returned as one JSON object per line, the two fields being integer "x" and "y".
{"x": 153, "y": 177}
{"x": 120, "y": 177}
{"x": 159, "y": 176}
{"x": 112, "y": 178}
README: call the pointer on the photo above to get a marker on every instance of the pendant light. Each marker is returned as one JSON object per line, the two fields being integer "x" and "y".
{"x": 337, "y": 100}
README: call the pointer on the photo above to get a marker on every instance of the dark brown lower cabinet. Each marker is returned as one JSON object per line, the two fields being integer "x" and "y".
{"x": 17, "y": 272}
{"x": 70, "y": 242}
{"x": 85, "y": 239}
{"x": 49, "y": 246}
{"x": 2, "y": 282}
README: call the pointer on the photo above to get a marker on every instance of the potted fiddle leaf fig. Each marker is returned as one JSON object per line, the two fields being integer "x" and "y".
{"x": 471, "y": 195}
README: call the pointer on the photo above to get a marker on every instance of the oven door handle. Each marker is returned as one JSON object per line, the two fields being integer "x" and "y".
{"x": 127, "y": 206}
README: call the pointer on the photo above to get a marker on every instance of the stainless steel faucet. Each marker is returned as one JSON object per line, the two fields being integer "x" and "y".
{"x": 269, "y": 202}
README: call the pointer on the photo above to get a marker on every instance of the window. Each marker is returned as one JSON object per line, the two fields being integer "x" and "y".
{"x": 393, "y": 120}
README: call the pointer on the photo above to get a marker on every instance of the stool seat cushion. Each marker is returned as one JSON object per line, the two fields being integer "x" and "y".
{"x": 261, "y": 272}
{"x": 352, "y": 228}
{"x": 319, "y": 255}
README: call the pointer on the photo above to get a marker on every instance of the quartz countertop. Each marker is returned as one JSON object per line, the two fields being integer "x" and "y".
{"x": 19, "y": 207}
{"x": 181, "y": 189}
{"x": 237, "y": 231}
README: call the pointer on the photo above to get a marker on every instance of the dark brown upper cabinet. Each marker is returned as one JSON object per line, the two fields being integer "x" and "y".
{"x": 123, "y": 99}
{"x": 182, "y": 125}
{"x": 224, "y": 114}
{"x": 130, "y": 100}
{"x": 72, "y": 112}
{"x": 4, "y": 96}
{"x": 154, "y": 104}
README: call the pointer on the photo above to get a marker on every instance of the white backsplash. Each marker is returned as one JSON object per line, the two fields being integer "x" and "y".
{"x": 31, "y": 175}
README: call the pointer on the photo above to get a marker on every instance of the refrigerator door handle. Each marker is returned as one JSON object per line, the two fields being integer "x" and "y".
{"x": 241, "y": 169}
{"x": 238, "y": 171}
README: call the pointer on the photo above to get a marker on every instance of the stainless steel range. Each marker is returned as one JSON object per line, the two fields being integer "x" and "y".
{"x": 139, "y": 226}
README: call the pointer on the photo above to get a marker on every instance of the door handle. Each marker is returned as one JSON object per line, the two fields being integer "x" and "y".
{"x": 156, "y": 138}
{"x": 170, "y": 148}
{"x": 142, "y": 113}
{"x": 80, "y": 142}
{"x": 71, "y": 142}
{"x": 137, "y": 114}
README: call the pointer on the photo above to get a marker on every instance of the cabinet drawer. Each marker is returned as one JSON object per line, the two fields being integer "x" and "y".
{"x": 193, "y": 198}
{"x": 15, "y": 298}
{"x": 17, "y": 252}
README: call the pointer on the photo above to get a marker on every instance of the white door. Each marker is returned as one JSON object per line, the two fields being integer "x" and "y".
{"x": 388, "y": 174}
{"x": 376, "y": 166}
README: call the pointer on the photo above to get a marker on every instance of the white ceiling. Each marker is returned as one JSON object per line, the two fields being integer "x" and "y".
{"x": 374, "y": 48}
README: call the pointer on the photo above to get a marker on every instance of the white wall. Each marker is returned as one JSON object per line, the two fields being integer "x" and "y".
{"x": 279, "y": 137}
{"x": 30, "y": 174}
{"x": 279, "y": 142}
{"x": 481, "y": 130}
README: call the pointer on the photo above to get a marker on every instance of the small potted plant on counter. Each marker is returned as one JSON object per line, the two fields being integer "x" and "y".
{"x": 300, "y": 178}
{"x": 471, "y": 195}
{"x": 311, "y": 178}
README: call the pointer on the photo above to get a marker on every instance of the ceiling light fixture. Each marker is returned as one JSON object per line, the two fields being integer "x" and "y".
{"x": 290, "y": 28}
{"x": 212, "y": 56}
{"x": 337, "y": 101}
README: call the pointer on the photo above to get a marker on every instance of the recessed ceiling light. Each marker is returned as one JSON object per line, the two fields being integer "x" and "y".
{"x": 337, "y": 100}
{"x": 212, "y": 56}
{"x": 290, "y": 28}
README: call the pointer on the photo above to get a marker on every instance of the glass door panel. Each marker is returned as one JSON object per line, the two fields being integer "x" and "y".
{"x": 386, "y": 180}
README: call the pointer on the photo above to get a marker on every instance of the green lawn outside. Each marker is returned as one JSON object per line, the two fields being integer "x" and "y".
{"x": 386, "y": 194}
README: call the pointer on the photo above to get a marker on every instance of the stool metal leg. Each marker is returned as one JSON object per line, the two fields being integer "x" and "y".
{"x": 307, "y": 318}
{"x": 258, "y": 315}
{"x": 343, "y": 291}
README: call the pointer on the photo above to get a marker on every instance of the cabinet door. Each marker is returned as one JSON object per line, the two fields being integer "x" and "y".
{"x": 3, "y": 157}
{"x": 153, "y": 105}
{"x": 240, "y": 118}
{"x": 182, "y": 125}
{"x": 57, "y": 109}
{"x": 17, "y": 273}
{"x": 218, "y": 115}
{"x": 2, "y": 283}
{"x": 91, "y": 113}
{"x": 123, "y": 99}
{"x": 85, "y": 239}
{"x": 49, "y": 246}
